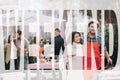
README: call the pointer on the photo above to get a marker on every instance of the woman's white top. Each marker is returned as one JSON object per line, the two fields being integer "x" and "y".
{"x": 73, "y": 56}
{"x": 13, "y": 51}
{"x": 34, "y": 50}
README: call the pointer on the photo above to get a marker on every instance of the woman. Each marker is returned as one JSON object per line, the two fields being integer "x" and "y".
{"x": 35, "y": 51}
{"x": 73, "y": 53}
{"x": 11, "y": 52}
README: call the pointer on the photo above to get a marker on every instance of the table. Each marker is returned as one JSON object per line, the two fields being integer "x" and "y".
{"x": 45, "y": 66}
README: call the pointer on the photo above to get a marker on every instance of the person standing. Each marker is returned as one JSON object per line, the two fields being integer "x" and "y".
{"x": 11, "y": 52}
{"x": 59, "y": 43}
{"x": 73, "y": 58}
{"x": 94, "y": 44}
{"x": 18, "y": 45}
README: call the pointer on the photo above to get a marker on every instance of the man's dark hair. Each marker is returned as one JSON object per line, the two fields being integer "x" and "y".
{"x": 57, "y": 29}
{"x": 91, "y": 22}
{"x": 19, "y": 32}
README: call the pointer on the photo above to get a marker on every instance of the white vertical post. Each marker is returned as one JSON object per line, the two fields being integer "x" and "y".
{"x": 16, "y": 21}
{"x": 85, "y": 40}
{"x": 53, "y": 61}
{"x": 8, "y": 17}
{"x": 2, "y": 65}
{"x": 39, "y": 76}
{"x": 102, "y": 36}
{"x": 21, "y": 65}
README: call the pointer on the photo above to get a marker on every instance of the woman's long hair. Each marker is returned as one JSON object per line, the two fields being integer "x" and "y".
{"x": 9, "y": 39}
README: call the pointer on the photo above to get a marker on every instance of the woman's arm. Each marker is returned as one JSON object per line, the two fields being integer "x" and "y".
{"x": 41, "y": 52}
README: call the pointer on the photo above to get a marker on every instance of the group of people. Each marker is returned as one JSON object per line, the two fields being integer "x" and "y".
{"x": 13, "y": 50}
{"x": 72, "y": 55}
{"x": 75, "y": 57}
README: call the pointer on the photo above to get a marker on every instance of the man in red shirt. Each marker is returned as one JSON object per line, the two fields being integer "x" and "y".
{"x": 94, "y": 47}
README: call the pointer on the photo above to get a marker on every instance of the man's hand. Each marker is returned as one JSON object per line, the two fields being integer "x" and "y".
{"x": 109, "y": 60}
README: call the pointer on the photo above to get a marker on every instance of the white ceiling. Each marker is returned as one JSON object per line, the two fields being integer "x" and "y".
{"x": 8, "y": 2}
{"x": 59, "y": 4}
{"x": 29, "y": 17}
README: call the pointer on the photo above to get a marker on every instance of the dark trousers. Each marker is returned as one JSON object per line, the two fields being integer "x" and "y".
{"x": 17, "y": 63}
{"x": 32, "y": 60}
{"x": 7, "y": 65}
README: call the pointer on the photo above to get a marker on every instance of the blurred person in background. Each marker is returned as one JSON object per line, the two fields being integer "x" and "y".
{"x": 59, "y": 43}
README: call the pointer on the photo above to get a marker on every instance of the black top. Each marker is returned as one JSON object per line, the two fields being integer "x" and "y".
{"x": 59, "y": 42}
